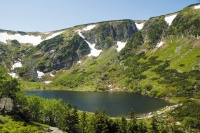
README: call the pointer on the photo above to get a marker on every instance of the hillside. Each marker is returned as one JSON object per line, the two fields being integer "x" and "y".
{"x": 158, "y": 57}
{"x": 155, "y": 61}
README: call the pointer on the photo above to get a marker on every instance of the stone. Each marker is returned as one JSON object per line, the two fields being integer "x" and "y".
{"x": 55, "y": 130}
{"x": 6, "y": 105}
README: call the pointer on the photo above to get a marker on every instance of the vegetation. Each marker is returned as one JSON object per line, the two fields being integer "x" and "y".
{"x": 171, "y": 71}
{"x": 187, "y": 23}
{"x": 154, "y": 29}
{"x": 8, "y": 86}
{"x": 92, "y": 74}
{"x": 105, "y": 33}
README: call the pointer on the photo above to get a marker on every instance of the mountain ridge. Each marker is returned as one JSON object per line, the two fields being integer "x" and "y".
{"x": 159, "y": 58}
{"x": 123, "y": 54}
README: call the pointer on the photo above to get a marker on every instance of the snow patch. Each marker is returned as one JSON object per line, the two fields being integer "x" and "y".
{"x": 52, "y": 75}
{"x": 120, "y": 45}
{"x": 79, "y": 62}
{"x": 197, "y": 7}
{"x": 170, "y": 18}
{"x": 16, "y": 64}
{"x": 139, "y": 25}
{"x": 20, "y": 38}
{"x": 89, "y": 27}
{"x": 35, "y": 40}
{"x": 47, "y": 82}
{"x": 80, "y": 34}
{"x": 52, "y": 51}
{"x": 40, "y": 74}
{"x": 178, "y": 123}
{"x": 93, "y": 51}
{"x": 159, "y": 44}
{"x": 54, "y": 35}
{"x": 13, "y": 75}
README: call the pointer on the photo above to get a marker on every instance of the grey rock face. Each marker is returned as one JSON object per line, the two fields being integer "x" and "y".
{"x": 105, "y": 33}
{"x": 6, "y": 105}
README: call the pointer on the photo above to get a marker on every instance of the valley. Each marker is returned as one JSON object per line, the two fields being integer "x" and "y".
{"x": 154, "y": 58}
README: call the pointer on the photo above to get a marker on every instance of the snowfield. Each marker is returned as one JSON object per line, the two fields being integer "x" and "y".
{"x": 159, "y": 44}
{"x": 139, "y": 26}
{"x": 35, "y": 40}
{"x": 40, "y": 74}
{"x": 89, "y": 27}
{"x": 16, "y": 64}
{"x": 169, "y": 19}
{"x": 80, "y": 34}
{"x": 197, "y": 7}
{"x": 20, "y": 38}
{"x": 93, "y": 51}
{"x": 120, "y": 45}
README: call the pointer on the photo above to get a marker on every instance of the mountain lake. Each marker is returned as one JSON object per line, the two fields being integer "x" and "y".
{"x": 114, "y": 103}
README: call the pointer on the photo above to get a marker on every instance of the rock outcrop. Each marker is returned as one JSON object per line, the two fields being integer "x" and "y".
{"x": 105, "y": 33}
{"x": 6, "y": 106}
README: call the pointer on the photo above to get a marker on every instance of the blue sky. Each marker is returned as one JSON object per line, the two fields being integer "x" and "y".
{"x": 48, "y": 15}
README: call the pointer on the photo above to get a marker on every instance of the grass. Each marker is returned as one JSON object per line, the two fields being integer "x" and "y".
{"x": 10, "y": 125}
{"x": 92, "y": 70}
{"x": 26, "y": 85}
{"x": 180, "y": 51}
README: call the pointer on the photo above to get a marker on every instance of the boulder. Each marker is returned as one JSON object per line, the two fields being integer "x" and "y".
{"x": 6, "y": 105}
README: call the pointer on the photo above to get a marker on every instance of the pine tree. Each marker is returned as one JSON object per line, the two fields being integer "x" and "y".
{"x": 74, "y": 120}
{"x": 122, "y": 125}
{"x": 83, "y": 122}
{"x": 154, "y": 126}
{"x": 101, "y": 122}
{"x": 142, "y": 127}
{"x": 132, "y": 125}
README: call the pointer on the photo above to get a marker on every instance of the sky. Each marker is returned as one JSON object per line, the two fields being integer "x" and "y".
{"x": 49, "y": 15}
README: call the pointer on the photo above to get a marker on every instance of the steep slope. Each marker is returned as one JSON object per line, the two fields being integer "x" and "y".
{"x": 33, "y": 38}
{"x": 15, "y": 44}
{"x": 73, "y": 45}
{"x": 158, "y": 57}
{"x": 169, "y": 65}
{"x": 4, "y": 54}
{"x": 155, "y": 61}
{"x": 105, "y": 33}
{"x": 186, "y": 22}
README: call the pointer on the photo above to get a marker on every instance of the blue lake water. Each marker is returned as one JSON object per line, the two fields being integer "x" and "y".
{"x": 114, "y": 103}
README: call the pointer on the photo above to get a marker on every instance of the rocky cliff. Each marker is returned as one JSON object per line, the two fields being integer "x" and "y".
{"x": 105, "y": 33}
{"x": 72, "y": 45}
{"x": 112, "y": 45}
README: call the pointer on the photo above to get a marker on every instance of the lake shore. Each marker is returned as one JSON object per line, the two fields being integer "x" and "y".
{"x": 159, "y": 112}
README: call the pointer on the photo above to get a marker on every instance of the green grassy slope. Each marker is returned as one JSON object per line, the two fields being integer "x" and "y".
{"x": 141, "y": 67}
{"x": 171, "y": 70}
